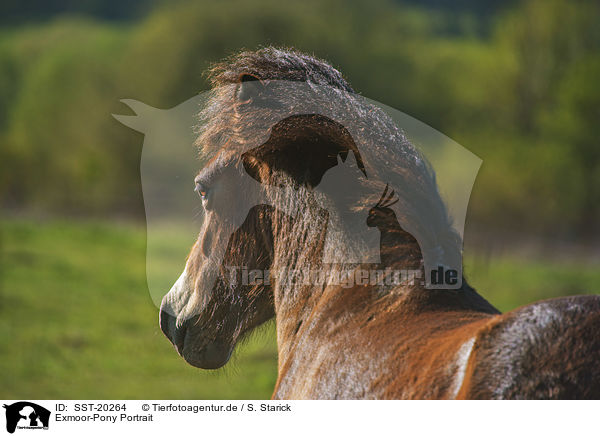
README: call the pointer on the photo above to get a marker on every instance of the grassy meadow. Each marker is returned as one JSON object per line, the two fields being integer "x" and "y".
{"x": 77, "y": 321}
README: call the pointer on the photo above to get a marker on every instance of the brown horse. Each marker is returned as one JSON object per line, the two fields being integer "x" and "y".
{"x": 350, "y": 339}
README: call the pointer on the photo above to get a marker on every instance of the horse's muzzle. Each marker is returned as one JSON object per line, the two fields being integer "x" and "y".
{"x": 212, "y": 355}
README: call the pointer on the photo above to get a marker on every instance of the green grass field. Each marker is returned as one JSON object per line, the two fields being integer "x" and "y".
{"x": 77, "y": 321}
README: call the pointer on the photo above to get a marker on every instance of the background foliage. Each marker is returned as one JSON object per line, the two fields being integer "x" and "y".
{"x": 517, "y": 85}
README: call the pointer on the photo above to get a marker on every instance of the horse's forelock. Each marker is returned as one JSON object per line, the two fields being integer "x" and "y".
{"x": 273, "y": 63}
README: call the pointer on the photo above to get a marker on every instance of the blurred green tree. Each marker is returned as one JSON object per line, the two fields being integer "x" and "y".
{"x": 522, "y": 95}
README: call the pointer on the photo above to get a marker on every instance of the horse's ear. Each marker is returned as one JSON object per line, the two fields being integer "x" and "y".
{"x": 254, "y": 166}
{"x": 250, "y": 87}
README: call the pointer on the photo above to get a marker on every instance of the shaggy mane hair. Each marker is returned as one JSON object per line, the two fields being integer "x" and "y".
{"x": 237, "y": 113}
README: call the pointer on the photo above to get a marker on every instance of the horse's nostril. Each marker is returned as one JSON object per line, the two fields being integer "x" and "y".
{"x": 167, "y": 324}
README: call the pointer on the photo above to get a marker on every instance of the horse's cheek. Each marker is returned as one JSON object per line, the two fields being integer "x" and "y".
{"x": 207, "y": 235}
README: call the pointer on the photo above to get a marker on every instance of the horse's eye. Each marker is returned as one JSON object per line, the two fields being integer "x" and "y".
{"x": 201, "y": 190}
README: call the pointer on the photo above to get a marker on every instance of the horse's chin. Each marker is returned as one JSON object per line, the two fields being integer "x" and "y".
{"x": 191, "y": 343}
{"x": 212, "y": 356}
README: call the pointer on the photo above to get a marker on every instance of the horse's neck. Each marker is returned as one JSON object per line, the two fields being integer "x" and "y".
{"x": 326, "y": 333}
{"x": 399, "y": 249}
{"x": 296, "y": 303}
{"x": 302, "y": 310}
{"x": 392, "y": 233}
{"x": 329, "y": 308}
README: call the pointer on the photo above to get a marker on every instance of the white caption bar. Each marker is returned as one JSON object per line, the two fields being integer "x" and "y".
{"x": 298, "y": 417}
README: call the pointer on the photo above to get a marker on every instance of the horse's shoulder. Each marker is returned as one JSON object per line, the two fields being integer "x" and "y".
{"x": 548, "y": 349}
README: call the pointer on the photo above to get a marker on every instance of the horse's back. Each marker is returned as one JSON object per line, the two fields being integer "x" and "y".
{"x": 546, "y": 350}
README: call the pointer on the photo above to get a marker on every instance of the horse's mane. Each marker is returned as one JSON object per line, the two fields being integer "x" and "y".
{"x": 229, "y": 119}
{"x": 276, "y": 64}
